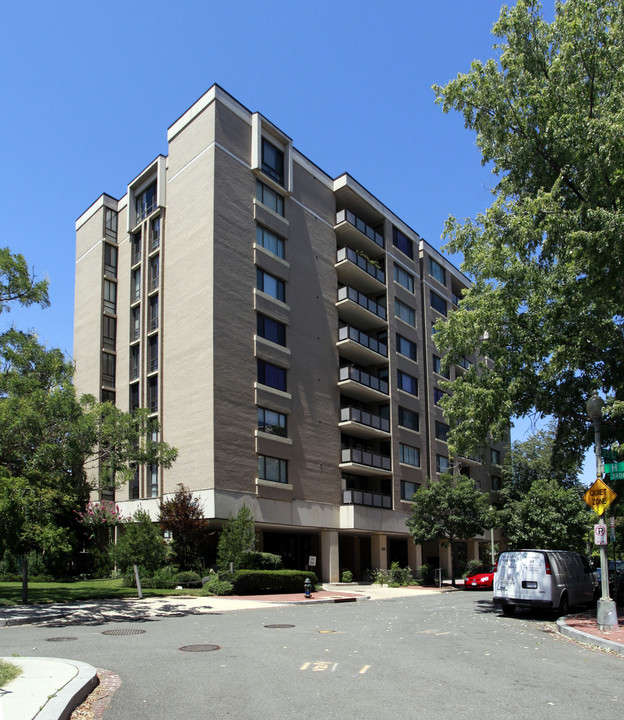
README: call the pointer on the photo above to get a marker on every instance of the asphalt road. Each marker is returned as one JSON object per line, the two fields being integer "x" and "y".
{"x": 447, "y": 655}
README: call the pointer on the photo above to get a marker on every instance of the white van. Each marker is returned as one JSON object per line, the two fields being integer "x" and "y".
{"x": 550, "y": 579}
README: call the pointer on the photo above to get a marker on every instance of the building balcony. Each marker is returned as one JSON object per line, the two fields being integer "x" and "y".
{"x": 359, "y": 347}
{"x": 365, "y": 462}
{"x": 362, "y": 385}
{"x": 463, "y": 364}
{"x": 357, "y": 234}
{"x": 370, "y": 499}
{"x": 354, "y": 269}
{"x": 360, "y": 423}
{"x": 356, "y": 307}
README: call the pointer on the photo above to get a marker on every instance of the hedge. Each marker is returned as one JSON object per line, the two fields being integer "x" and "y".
{"x": 253, "y": 582}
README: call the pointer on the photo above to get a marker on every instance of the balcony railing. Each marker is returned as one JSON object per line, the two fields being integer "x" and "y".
{"x": 373, "y": 270}
{"x": 370, "y": 499}
{"x": 349, "y": 293}
{"x": 359, "y": 224}
{"x": 365, "y": 418}
{"x": 365, "y": 457}
{"x": 348, "y": 332}
{"x": 348, "y": 372}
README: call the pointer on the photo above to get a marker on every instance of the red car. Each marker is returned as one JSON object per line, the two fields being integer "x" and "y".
{"x": 482, "y": 578}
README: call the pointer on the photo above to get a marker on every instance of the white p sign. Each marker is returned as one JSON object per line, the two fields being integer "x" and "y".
{"x": 600, "y": 534}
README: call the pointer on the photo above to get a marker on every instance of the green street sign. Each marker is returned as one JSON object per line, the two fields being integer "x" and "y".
{"x": 616, "y": 467}
{"x": 616, "y": 475}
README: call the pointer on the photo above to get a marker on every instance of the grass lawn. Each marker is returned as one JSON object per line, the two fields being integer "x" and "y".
{"x": 8, "y": 672}
{"x": 53, "y": 592}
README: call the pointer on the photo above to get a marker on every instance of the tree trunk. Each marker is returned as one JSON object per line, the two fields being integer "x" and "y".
{"x": 24, "y": 579}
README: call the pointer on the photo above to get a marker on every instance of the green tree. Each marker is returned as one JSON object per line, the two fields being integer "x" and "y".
{"x": 237, "y": 537}
{"x": 17, "y": 283}
{"x": 449, "y": 510}
{"x": 183, "y": 516}
{"x": 140, "y": 544}
{"x": 547, "y": 256}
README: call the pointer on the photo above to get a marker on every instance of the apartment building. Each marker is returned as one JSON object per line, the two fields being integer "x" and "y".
{"x": 278, "y": 323}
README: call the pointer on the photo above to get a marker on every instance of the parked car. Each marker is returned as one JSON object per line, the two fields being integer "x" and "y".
{"x": 549, "y": 579}
{"x": 481, "y": 578}
{"x": 615, "y": 568}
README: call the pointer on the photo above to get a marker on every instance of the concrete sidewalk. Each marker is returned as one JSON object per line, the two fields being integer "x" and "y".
{"x": 50, "y": 688}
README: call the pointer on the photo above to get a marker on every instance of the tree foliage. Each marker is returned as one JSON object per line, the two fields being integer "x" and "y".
{"x": 183, "y": 515}
{"x": 18, "y": 284}
{"x": 547, "y": 257}
{"x": 140, "y": 544}
{"x": 237, "y": 538}
{"x": 448, "y": 510}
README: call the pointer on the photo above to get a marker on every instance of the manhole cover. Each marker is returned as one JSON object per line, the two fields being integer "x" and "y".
{"x": 61, "y": 639}
{"x": 199, "y": 648}
{"x": 279, "y": 625}
{"x": 123, "y": 632}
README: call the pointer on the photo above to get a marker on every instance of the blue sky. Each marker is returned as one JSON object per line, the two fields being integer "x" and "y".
{"x": 89, "y": 89}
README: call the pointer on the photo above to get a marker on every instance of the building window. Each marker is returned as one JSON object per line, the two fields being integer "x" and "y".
{"x": 406, "y": 382}
{"x": 152, "y": 357}
{"x": 465, "y": 471}
{"x": 135, "y": 249}
{"x": 409, "y": 455}
{"x": 406, "y": 347}
{"x": 110, "y": 296}
{"x": 135, "y": 323}
{"x": 405, "y": 312}
{"x": 110, "y": 260}
{"x": 146, "y": 202}
{"x": 110, "y": 224}
{"x": 403, "y": 243}
{"x": 152, "y": 394}
{"x": 135, "y": 361}
{"x": 267, "y": 196}
{"x": 496, "y": 483}
{"x": 273, "y": 469}
{"x": 438, "y": 303}
{"x": 437, "y": 271}
{"x": 152, "y": 312}
{"x": 441, "y": 430}
{"x": 108, "y": 396}
{"x": 271, "y": 422}
{"x": 408, "y": 490}
{"x": 437, "y": 367}
{"x": 270, "y": 285}
{"x": 108, "y": 369}
{"x": 437, "y": 395}
{"x": 109, "y": 332}
{"x": 135, "y": 286}
{"x": 134, "y": 485}
{"x": 272, "y": 161}
{"x": 442, "y": 464}
{"x": 271, "y": 375}
{"x": 495, "y": 457}
{"x": 270, "y": 241}
{"x": 153, "y": 481}
{"x": 155, "y": 234}
{"x": 134, "y": 397}
{"x": 272, "y": 330}
{"x": 403, "y": 278}
{"x": 154, "y": 273}
{"x": 408, "y": 418}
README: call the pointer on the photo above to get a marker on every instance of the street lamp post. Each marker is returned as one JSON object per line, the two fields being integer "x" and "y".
{"x": 606, "y": 614}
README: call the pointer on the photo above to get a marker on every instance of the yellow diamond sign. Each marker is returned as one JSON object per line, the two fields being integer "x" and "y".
{"x": 599, "y": 496}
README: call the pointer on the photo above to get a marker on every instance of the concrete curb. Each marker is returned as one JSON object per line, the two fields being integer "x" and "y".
{"x": 574, "y": 634}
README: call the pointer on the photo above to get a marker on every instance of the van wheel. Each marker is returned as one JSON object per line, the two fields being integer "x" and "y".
{"x": 564, "y": 605}
{"x": 509, "y": 610}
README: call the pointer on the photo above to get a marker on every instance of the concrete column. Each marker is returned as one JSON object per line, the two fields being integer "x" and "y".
{"x": 473, "y": 549}
{"x": 357, "y": 563}
{"x": 379, "y": 552}
{"x": 330, "y": 559}
{"x": 445, "y": 559}
{"x": 414, "y": 556}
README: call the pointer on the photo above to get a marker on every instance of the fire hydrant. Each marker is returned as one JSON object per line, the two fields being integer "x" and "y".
{"x": 307, "y": 586}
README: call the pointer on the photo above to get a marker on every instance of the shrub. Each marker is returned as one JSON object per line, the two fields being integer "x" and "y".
{"x": 251, "y": 582}
{"x": 398, "y": 576}
{"x": 140, "y": 544}
{"x": 347, "y": 576}
{"x": 187, "y": 578}
{"x": 237, "y": 538}
{"x": 471, "y": 566}
{"x": 215, "y": 586}
{"x": 427, "y": 574}
{"x": 254, "y": 560}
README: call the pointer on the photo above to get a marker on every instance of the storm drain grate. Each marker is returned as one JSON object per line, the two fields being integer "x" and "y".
{"x": 199, "y": 648}
{"x": 130, "y": 631}
{"x": 61, "y": 639}
{"x": 279, "y": 625}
